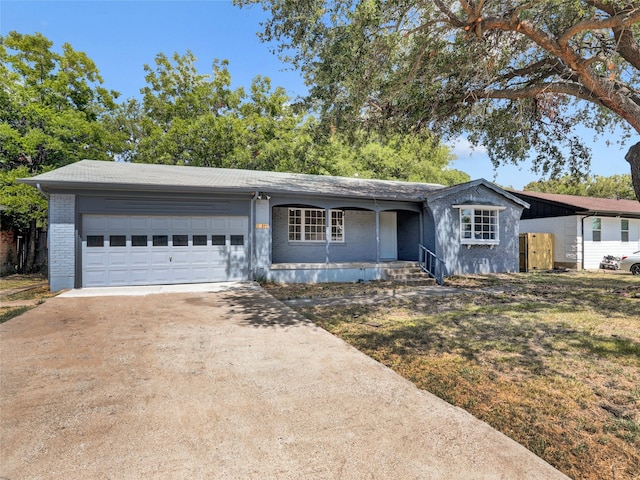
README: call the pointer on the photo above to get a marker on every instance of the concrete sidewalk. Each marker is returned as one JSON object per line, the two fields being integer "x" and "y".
{"x": 224, "y": 385}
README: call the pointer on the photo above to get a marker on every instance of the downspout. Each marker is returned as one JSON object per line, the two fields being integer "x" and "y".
{"x": 582, "y": 234}
{"x": 46, "y": 195}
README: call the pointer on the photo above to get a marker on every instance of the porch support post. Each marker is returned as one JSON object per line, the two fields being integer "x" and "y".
{"x": 377, "y": 236}
{"x": 422, "y": 225}
{"x": 327, "y": 232}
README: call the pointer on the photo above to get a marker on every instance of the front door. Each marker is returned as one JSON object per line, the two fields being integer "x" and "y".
{"x": 388, "y": 236}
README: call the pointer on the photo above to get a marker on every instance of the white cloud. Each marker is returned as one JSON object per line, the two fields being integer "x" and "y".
{"x": 462, "y": 148}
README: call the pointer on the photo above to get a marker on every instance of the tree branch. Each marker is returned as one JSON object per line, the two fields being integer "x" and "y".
{"x": 621, "y": 20}
{"x": 532, "y": 91}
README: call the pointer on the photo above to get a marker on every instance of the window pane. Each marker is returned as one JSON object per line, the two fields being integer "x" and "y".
{"x": 118, "y": 241}
{"x": 199, "y": 240}
{"x": 295, "y": 224}
{"x": 95, "y": 241}
{"x": 624, "y": 230}
{"x": 337, "y": 226}
{"x": 138, "y": 240}
{"x": 160, "y": 240}
{"x": 180, "y": 240}
{"x": 314, "y": 225}
{"x": 237, "y": 239}
{"x": 596, "y": 225}
{"x": 217, "y": 239}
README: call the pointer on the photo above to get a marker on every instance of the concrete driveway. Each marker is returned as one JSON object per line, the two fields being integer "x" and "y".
{"x": 229, "y": 384}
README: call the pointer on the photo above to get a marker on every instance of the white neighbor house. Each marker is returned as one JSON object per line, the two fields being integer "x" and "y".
{"x": 585, "y": 229}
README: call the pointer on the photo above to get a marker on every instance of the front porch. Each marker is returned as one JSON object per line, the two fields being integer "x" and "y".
{"x": 343, "y": 272}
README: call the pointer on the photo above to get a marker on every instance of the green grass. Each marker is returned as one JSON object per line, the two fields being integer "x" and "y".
{"x": 9, "y": 313}
{"x": 553, "y": 361}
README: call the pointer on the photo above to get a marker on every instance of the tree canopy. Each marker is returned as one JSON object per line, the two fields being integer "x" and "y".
{"x": 189, "y": 118}
{"x": 51, "y": 105}
{"x": 514, "y": 76}
{"x": 615, "y": 186}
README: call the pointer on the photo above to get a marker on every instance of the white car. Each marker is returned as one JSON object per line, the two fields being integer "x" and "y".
{"x": 631, "y": 263}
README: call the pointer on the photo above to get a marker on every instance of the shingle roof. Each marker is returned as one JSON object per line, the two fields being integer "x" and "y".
{"x": 472, "y": 184}
{"x": 585, "y": 204}
{"x": 92, "y": 174}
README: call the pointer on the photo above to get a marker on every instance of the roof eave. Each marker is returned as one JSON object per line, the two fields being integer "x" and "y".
{"x": 50, "y": 186}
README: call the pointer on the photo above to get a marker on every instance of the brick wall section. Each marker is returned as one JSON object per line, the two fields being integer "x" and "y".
{"x": 8, "y": 251}
{"x": 62, "y": 242}
{"x": 359, "y": 245}
{"x": 262, "y": 238}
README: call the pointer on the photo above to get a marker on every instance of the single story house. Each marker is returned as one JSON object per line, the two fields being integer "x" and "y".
{"x": 113, "y": 223}
{"x": 585, "y": 229}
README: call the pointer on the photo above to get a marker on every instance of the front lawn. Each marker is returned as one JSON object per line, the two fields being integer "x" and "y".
{"x": 550, "y": 359}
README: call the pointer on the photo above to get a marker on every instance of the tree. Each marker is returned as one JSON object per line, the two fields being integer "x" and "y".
{"x": 190, "y": 118}
{"x": 515, "y": 76}
{"x": 24, "y": 209}
{"x": 615, "y": 186}
{"x": 51, "y": 111}
{"x": 51, "y": 105}
{"x": 412, "y": 158}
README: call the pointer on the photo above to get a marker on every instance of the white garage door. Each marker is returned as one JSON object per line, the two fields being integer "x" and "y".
{"x": 162, "y": 250}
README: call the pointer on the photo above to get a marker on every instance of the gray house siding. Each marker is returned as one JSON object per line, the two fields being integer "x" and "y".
{"x": 113, "y": 203}
{"x": 460, "y": 258}
{"x": 359, "y": 244}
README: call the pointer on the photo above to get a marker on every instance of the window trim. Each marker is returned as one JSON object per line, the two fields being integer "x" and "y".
{"x": 474, "y": 207}
{"x": 594, "y": 230}
{"x": 624, "y": 231}
{"x": 336, "y": 225}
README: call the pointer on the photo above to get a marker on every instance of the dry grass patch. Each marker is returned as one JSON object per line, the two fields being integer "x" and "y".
{"x": 26, "y": 288}
{"x": 553, "y": 361}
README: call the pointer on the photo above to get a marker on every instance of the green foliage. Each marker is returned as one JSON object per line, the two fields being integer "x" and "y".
{"x": 51, "y": 105}
{"x": 615, "y": 186}
{"x": 515, "y": 76}
{"x": 188, "y": 118}
{"x": 414, "y": 158}
{"x": 22, "y": 203}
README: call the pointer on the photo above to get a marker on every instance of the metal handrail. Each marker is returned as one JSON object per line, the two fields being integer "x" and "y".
{"x": 431, "y": 264}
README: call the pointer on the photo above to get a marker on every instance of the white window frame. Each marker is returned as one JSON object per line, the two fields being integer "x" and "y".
{"x": 336, "y": 228}
{"x": 467, "y": 229}
{"x": 596, "y": 221}
{"x": 624, "y": 232}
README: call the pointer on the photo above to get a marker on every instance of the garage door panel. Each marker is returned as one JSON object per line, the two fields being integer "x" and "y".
{"x": 200, "y": 258}
{"x": 237, "y": 224}
{"x": 95, "y": 258}
{"x": 200, "y": 224}
{"x": 118, "y": 277}
{"x": 139, "y": 276}
{"x": 160, "y": 224}
{"x": 118, "y": 259}
{"x": 127, "y": 255}
{"x": 138, "y": 259}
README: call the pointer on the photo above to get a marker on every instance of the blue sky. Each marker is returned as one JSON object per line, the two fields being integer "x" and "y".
{"x": 121, "y": 36}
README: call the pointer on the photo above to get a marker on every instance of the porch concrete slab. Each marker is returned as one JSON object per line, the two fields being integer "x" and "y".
{"x": 227, "y": 385}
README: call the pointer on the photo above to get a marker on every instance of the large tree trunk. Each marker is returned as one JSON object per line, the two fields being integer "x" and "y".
{"x": 31, "y": 247}
{"x": 633, "y": 157}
